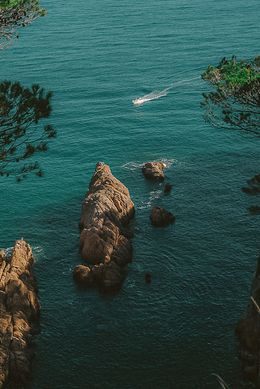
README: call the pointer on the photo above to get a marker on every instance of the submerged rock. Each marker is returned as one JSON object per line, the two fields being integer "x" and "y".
{"x": 254, "y": 210}
{"x": 19, "y": 315}
{"x": 248, "y": 334}
{"x": 167, "y": 188}
{"x": 253, "y": 187}
{"x": 154, "y": 170}
{"x": 160, "y": 217}
{"x": 148, "y": 278}
{"x": 104, "y": 240}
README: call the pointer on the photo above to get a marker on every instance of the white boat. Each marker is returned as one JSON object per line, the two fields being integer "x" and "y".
{"x": 140, "y": 100}
{"x": 150, "y": 97}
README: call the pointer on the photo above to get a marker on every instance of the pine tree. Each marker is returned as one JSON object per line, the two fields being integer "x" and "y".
{"x": 21, "y": 135}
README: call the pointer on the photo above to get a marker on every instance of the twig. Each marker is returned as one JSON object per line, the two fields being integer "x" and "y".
{"x": 255, "y": 303}
{"x": 222, "y": 383}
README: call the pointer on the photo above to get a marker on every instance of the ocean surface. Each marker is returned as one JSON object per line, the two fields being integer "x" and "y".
{"x": 96, "y": 56}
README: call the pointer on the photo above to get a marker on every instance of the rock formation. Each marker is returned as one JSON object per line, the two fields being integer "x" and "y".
{"x": 19, "y": 315}
{"x": 160, "y": 217}
{"x": 154, "y": 170}
{"x": 248, "y": 334}
{"x": 105, "y": 234}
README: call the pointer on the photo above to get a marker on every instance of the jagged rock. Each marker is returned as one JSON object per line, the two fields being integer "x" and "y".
{"x": 83, "y": 275}
{"x": 154, "y": 170}
{"x": 2, "y": 255}
{"x": 167, "y": 188}
{"x": 19, "y": 315}
{"x": 104, "y": 240}
{"x": 160, "y": 217}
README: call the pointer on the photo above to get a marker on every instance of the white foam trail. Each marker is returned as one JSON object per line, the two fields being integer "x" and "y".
{"x": 158, "y": 94}
{"x": 183, "y": 82}
{"x": 151, "y": 96}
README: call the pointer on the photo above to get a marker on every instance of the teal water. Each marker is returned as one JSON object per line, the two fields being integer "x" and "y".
{"x": 97, "y": 56}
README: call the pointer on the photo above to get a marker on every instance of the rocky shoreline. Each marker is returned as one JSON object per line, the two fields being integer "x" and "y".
{"x": 19, "y": 314}
{"x": 105, "y": 234}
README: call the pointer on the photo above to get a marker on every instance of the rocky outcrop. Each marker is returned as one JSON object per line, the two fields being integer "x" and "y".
{"x": 160, "y": 217}
{"x": 154, "y": 170}
{"x": 248, "y": 334}
{"x": 19, "y": 315}
{"x": 105, "y": 234}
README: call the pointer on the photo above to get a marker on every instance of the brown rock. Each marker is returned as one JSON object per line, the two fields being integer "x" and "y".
{"x": 19, "y": 315}
{"x": 154, "y": 170}
{"x": 2, "y": 255}
{"x": 104, "y": 240}
{"x": 160, "y": 217}
{"x": 83, "y": 275}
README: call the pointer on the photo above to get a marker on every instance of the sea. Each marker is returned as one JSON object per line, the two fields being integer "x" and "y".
{"x": 97, "y": 56}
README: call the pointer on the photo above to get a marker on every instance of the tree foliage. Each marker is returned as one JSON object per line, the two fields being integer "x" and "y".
{"x": 235, "y": 100}
{"x": 235, "y": 103}
{"x": 21, "y": 134}
{"x": 15, "y": 14}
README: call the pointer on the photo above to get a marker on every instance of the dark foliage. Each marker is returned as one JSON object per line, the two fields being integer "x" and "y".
{"x": 14, "y": 15}
{"x": 21, "y": 135}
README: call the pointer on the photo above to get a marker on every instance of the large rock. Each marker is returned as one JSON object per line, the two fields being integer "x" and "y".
{"x": 154, "y": 170}
{"x": 160, "y": 217}
{"x": 104, "y": 240}
{"x": 19, "y": 315}
{"x": 248, "y": 334}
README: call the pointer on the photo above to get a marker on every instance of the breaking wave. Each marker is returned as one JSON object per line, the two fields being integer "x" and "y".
{"x": 154, "y": 195}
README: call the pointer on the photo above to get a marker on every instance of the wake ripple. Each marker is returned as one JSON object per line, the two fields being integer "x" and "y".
{"x": 150, "y": 96}
{"x": 155, "y": 95}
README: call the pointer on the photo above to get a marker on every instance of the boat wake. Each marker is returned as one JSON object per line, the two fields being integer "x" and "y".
{"x": 158, "y": 94}
{"x": 151, "y": 96}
